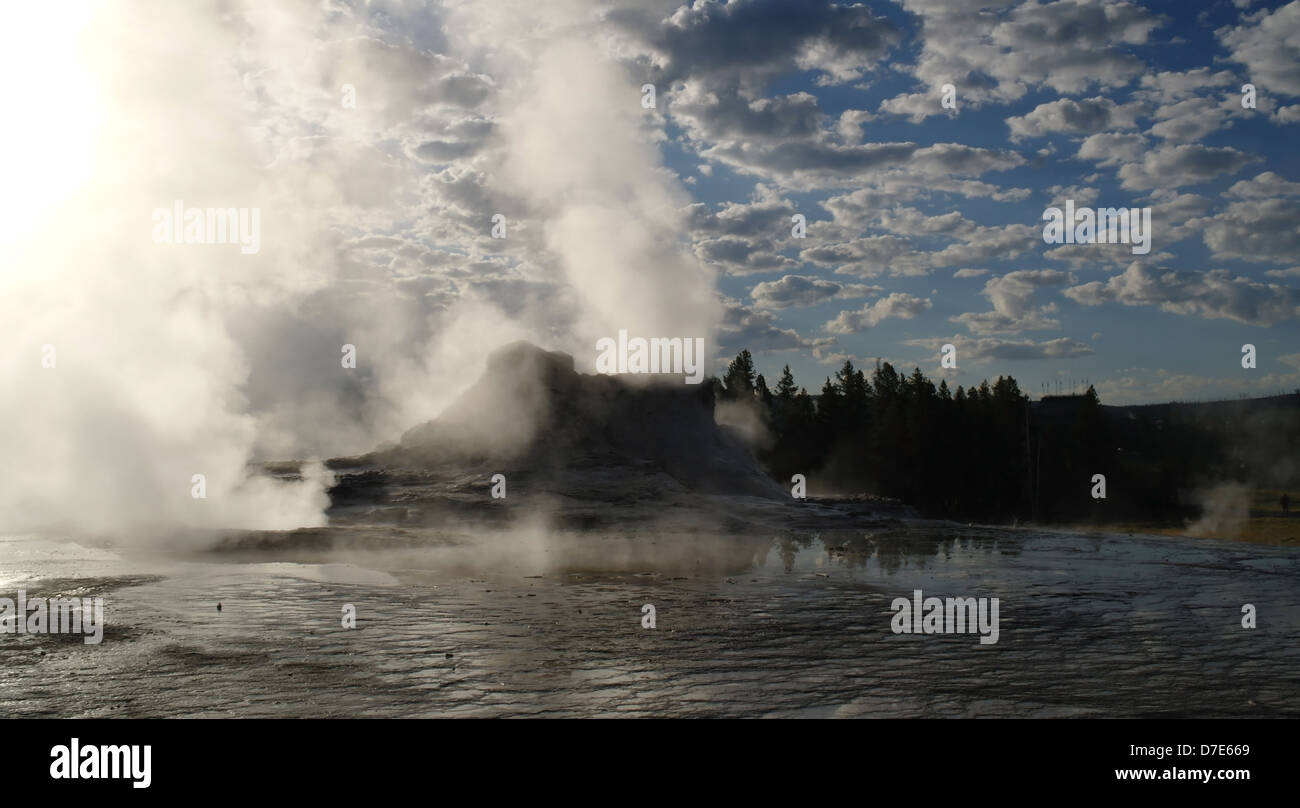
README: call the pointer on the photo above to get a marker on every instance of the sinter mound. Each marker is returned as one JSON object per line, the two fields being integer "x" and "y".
{"x": 636, "y": 453}
{"x": 532, "y": 412}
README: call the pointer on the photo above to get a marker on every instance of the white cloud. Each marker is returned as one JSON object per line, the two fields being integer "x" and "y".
{"x": 1015, "y": 304}
{"x": 985, "y": 348}
{"x": 996, "y": 54}
{"x": 1264, "y": 186}
{"x": 897, "y": 304}
{"x": 1176, "y": 166}
{"x": 1216, "y": 294}
{"x": 1088, "y": 116}
{"x": 1112, "y": 149}
{"x": 805, "y": 290}
{"x": 1268, "y": 44}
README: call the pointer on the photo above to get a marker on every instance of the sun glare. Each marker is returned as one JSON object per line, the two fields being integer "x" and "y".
{"x": 50, "y": 109}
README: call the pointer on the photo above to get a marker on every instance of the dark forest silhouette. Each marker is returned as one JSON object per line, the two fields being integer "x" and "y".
{"x": 990, "y": 453}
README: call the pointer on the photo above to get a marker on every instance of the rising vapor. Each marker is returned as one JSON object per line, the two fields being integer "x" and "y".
{"x": 173, "y": 360}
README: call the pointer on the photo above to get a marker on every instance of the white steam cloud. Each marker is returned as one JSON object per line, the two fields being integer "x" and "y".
{"x": 172, "y": 360}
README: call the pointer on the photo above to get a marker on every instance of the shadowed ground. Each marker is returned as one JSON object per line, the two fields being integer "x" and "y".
{"x": 794, "y": 625}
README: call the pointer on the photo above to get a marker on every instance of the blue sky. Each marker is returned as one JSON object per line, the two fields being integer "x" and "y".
{"x": 380, "y": 138}
{"x": 1135, "y": 338}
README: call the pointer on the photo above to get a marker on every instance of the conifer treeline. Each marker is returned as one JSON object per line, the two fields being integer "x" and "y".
{"x": 987, "y": 453}
{"x": 963, "y": 452}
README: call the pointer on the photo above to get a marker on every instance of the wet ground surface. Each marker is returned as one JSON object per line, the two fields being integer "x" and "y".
{"x": 785, "y": 626}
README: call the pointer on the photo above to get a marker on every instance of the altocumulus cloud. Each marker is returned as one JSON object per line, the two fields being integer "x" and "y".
{"x": 1215, "y": 294}
{"x": 897, "y": 304}
{"x": 805, "y": 290}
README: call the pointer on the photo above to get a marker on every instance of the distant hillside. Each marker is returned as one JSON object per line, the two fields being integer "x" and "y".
{"x": 1208, "y": 410}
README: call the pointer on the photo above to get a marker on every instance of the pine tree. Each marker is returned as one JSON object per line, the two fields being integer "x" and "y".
{"x": 885, "y": 382}
{"x": 919, "y": 388}
{"x": 740, "y": 376}
{"x": 830, "y": 395}
{"x": 852, "y": 385}
{"x": 785, "y": 388}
